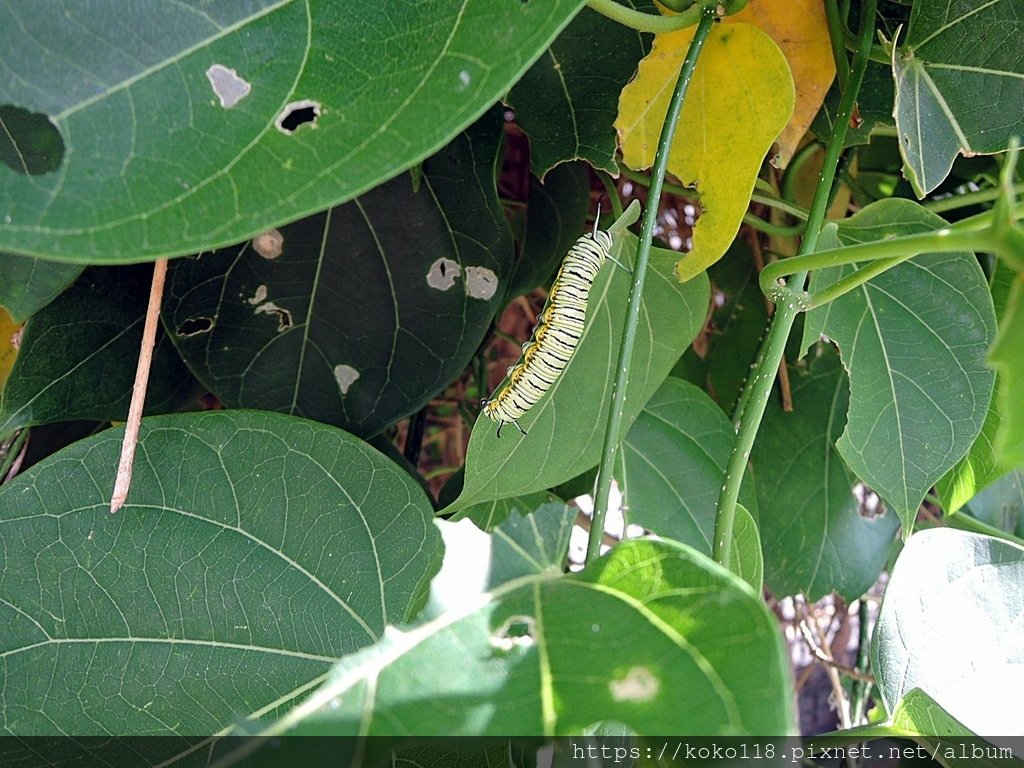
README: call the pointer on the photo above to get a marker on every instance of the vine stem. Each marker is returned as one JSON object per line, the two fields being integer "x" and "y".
{"x": 123, "y": 480}
{"x": 646, "y": 22}
{"x": 755, "y": 394}
{"x": 615, "y": 414}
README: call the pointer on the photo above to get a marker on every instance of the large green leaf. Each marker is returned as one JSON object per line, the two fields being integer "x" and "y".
{"x": 959, "y": 84}
{"x": 913, "y": 340}
{"x": 674, "y": 644}
{"x": 78, "y": 355}
{"x": 370, "y": 309}
{"x": 982, "y": 466}
{"x": 672, "y": 465}
{"x": 815, "y": 539}
{"x": 950, "y": 625}
{"x": 178, "y": 129}
{"x": 567, "y": 425}
{"x": 27, "y": 285}
{"x": 567, "y": 102}
{"x": 255, "y": 549}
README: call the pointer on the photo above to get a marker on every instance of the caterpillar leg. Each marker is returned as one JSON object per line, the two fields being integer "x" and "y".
{"x": 503, "y": 423}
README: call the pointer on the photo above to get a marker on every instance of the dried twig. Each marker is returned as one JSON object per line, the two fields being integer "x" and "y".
{"x": 123, "y": 480}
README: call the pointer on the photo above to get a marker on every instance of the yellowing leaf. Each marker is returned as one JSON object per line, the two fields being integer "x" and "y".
{"x": 8, "y": 349}
{"x": 740, "y": 98}
{"x": 799, "y": 28}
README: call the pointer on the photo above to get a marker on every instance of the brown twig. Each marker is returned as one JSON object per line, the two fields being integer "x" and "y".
{"x": 123, "y": 480}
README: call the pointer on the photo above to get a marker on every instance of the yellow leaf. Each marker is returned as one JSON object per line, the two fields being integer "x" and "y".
{"x": 8, "y": 346}
{"x": 799, "y": 28}
{"x": 740, "y": 98}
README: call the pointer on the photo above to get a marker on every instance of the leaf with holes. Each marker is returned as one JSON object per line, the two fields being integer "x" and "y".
{"x": 79, "y": 353}
{"x": 959, "y": 85}
{"x": 178, "y": 130}
{"x": 685, "y": 647}
{"x": 913, "y": 340}
{"x": 567, "y": 425}
{"x": 356, "y": 316}
{"x": 816, "y": 540}
{"x": 255, "y": 549}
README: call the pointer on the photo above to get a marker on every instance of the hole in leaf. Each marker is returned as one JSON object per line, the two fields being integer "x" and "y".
{"x": 516, "y": 632}
{"x": 269, "y": 244}
{"x": 195, "y": 326}
{"x": 29, "y": 143}
{"x": 229, "y": 87}
{"x": 298, "y": 114}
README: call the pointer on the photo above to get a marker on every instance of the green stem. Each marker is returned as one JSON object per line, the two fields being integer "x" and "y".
{"x": 758, "y": 388}
{"x": 861, "y": 689}
{"x": 796, "y": 163}
{"x": 646, "y": 22}
{"x": 835, "y": 23}
{"x": 969, "y": 198}
{"x": 615, "y": 414}
{"x": 965, "y": 522}
{"x": 612, "y": 193}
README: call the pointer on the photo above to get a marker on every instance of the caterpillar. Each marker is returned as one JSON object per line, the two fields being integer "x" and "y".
{"x": 554, "y": 338}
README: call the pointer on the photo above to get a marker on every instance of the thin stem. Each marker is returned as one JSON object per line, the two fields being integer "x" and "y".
{"x": 966, "y": 522}
{"x": 123, "y": 480}
{"x": 646, "y": 22}
{"x": 615, "y": 414}
{"x": 755, "y": 395}
{"x": 10, "y": 457}
{"x": 861, "y": 688}
{"x": 970, "y": 198}
{"x": 837, "y": 37}
{"x": 612, "y": 193}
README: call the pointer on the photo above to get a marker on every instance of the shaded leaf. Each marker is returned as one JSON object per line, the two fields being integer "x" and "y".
{"x": 672, "y": 464}
{"x": 746, "y": 560}
{"x": 369, "y": 310}
{"x": 815, "y": 539}
{"x": 27, "y": 285}
{"x": 79, "y": 353}
{"x": 490, "y": 514}
{"x": 565, "y": 436}
{"x": 727, "y": 133}
{"x": 913, "y": 341}
{"x": 685, "y": 648}
{"x": 1002, "y": 503}
{"x": 557, "y": 211}
{"x": 874, "y": 107}
{"x": 165, "y": 150}
{"x": 950, "y": 625}
{"x": 959, "y": 87}
{"x": 566, "y": 102}
{"x": 254, "y": 550}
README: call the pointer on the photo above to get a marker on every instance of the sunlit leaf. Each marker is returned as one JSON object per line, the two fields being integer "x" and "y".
{"x": 724, "y": 131}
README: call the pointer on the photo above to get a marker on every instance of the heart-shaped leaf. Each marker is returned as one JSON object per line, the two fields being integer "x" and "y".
{"x": 27, "y": 285}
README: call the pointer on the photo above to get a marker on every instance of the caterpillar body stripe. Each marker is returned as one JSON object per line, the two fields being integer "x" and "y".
{"x": 556, "y": 334}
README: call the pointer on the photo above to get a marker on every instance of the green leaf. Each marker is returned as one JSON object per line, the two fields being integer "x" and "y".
{"x": 490, "y": 514}
{"x": 1002, "y": 503}
{"x": 565, "y": 432}
{"x": 950, "y": 625}
{"x": 746, "y": 560}
{"x": 1006, "y": 357}
{"x": 685, "y": 647}
{"x": 738, "y": 324}
{"x": 557, "y": 210}
{"x": 874, "y": 107}
{"x": 27, "y": 285}
{"x": 183, "y": 131}
{"x": 567, "y": 102}
{"x": 958, "y": 85}
{"x": 981, "y": 466}
{"x": 672, "y": 464}
{"x": 365, "y": 315}
{"x": 79, "y": 353}
{"x": 913, "y": 341}
{"x": 815, "y": 538}
{"x": 255, "y": 550}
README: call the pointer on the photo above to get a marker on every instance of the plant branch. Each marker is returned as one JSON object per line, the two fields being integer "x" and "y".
{"x": 646, "y": 22}
{"x": 123, "y": 480}
{"x": 615, "y": 414}
{"x": 754, "y": 398}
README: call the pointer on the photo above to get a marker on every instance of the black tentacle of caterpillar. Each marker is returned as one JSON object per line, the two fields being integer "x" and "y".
{"x": 556, "y": 335}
